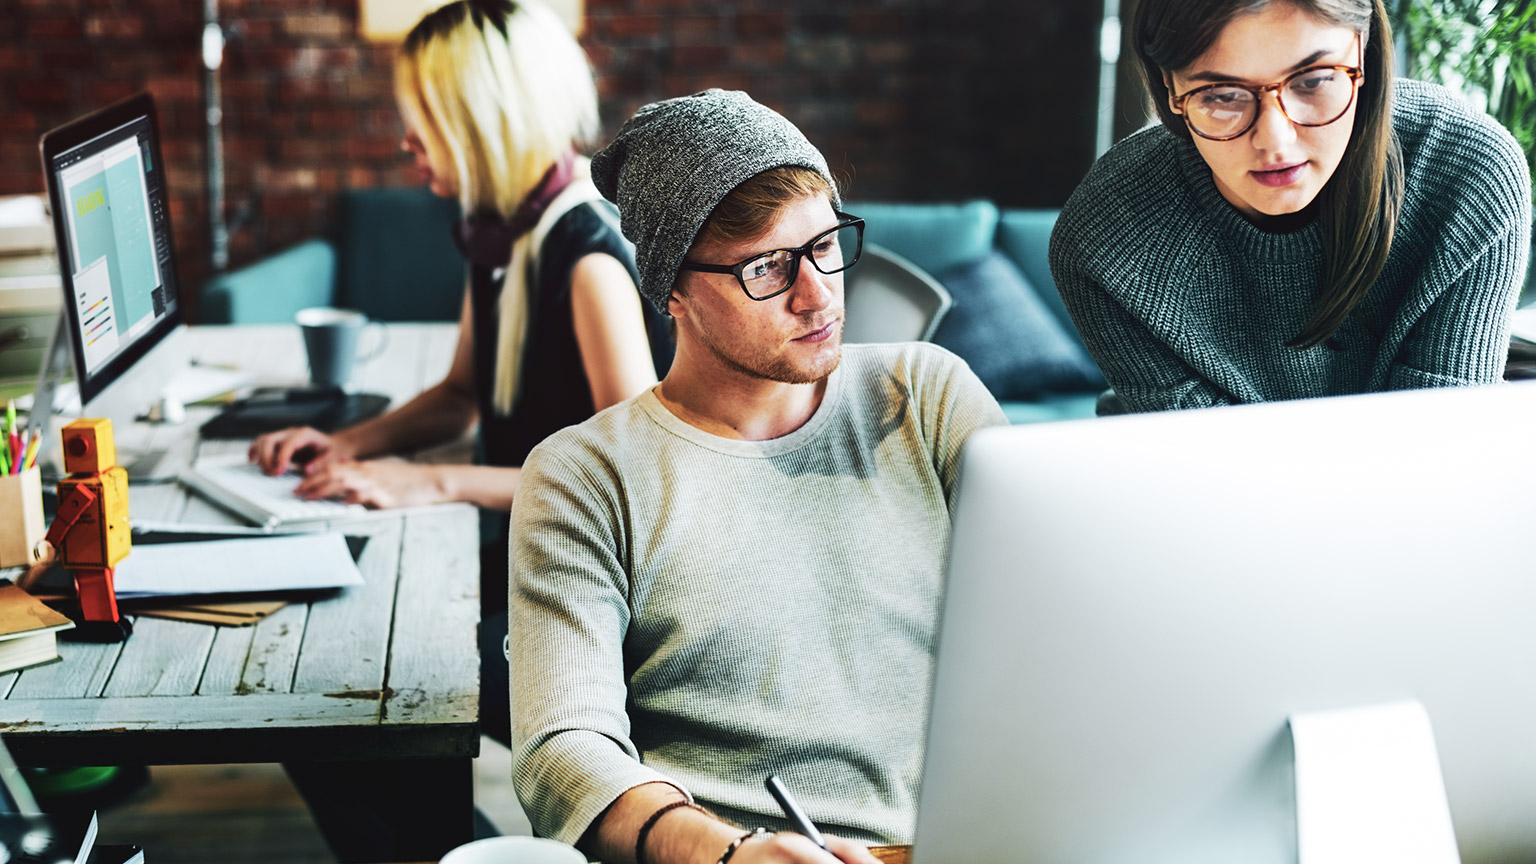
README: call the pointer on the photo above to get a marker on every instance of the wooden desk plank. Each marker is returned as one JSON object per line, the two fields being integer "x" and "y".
{"x": 242, "y": 347}
{"x": 396, "y": 373}
{"x": 346, "y": 643}
{"x": 82, "y": 673}
{"x": 436, "y": 359}
{"x": 162, "y": 658}
{"x": 161, "y": 502}
{"x": 226, "y": 661}
{"x": 274, "y": 727}
{"x": 434, "y": 673}
{"x": 275, "y": 651}
{"x": 271, "y": 354}
{"x": 186, "y": 712}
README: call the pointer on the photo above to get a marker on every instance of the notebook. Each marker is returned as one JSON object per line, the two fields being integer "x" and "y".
{"x": 28, "y": 630}
{"x": 235, "y": 484}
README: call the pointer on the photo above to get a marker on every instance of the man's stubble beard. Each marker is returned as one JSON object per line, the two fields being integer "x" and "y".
{"x": 768, "y": 367}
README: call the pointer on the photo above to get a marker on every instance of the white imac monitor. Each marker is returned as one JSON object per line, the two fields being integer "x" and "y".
{"x": 122, "y": 316}
{"x": 1136, "y": 607}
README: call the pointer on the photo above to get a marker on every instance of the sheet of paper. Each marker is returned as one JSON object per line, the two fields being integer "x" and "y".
{"x": 1369, "y": 788}
{"x": 285, "y": 562}
{"x": 195, "y": 383}
{"x": 189, "y": 384}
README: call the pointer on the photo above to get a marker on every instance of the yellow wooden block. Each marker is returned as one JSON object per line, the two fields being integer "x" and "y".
{"x": 101, "y": 537}
{"x": 88, "y": 446}
{"x": 119, "y": 535}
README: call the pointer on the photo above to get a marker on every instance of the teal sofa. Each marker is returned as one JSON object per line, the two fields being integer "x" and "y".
{"x": 392, "y": 256}
{"x": 942, "y": 239}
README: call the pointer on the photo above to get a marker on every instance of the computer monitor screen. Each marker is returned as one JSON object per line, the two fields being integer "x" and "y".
{"x": 106, "y": 184}
{"x": 1135, "y": 606}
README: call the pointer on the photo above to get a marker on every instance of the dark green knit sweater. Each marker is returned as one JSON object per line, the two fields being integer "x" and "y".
{"x": 1185, "y": 304}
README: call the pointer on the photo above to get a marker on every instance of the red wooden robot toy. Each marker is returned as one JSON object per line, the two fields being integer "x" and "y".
{"x": 91, "y": 531}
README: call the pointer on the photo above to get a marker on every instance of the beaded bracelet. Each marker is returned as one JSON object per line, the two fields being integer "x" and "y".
{"x": 645, "y": 830}
{"x": 736, "y": 844}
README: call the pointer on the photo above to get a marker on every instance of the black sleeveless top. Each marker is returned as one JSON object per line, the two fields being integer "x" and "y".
{"x": 555, "y": 392}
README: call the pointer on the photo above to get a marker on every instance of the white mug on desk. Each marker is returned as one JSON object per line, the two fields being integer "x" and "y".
{"x": 514, "y": 850}
{"x": 330, "y": 340}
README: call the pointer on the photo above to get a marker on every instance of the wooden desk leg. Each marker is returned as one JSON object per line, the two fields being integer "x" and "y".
{"x": 402, "y": 810}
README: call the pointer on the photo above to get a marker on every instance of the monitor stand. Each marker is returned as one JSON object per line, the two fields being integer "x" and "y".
{"x": 1369, "y": 787}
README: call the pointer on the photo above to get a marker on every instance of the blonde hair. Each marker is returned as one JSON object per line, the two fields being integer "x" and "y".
{"x": 505, "y": 88}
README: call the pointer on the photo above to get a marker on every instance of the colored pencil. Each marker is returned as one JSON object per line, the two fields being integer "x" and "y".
{"x": 30, "y": 457}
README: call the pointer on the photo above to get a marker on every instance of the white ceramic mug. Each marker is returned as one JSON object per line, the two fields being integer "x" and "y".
{"x": 514, "y": 850}
{"x": 330, "y": 340}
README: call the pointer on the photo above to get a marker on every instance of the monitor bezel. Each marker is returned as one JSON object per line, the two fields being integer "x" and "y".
{"x": 61, "y": 140}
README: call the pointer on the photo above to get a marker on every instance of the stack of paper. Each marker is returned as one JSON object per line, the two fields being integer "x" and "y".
{"x": 225, "y": 614}
{"x": 285, "y": 562}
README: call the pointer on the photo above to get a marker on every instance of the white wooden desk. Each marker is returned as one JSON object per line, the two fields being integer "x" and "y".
{"x": 384, "y": 673}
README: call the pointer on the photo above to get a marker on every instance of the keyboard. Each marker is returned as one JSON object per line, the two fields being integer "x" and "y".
{"x": 240, "y": 487}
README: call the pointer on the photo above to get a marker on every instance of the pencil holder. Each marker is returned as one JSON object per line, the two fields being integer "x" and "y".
{"x": 21, "y": 518}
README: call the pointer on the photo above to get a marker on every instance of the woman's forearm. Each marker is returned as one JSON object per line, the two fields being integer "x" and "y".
{"x": 481, "y": 485}
{"x": 439, "y": 413}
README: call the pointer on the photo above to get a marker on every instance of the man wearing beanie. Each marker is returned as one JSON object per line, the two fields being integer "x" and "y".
{"x": 737, "y": 573}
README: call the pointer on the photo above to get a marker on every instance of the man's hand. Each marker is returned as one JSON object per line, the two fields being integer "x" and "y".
{"x": 379, "y": 484}
{"x": 276, "y": 452}
{"x": 790, "y": 848}
{"x": 689, "y": 836}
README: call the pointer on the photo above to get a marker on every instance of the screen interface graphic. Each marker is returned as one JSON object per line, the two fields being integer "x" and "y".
{"x": 118, "y": 253}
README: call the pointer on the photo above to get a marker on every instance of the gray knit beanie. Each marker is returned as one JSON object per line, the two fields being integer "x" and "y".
{"x": 676, "y": 159}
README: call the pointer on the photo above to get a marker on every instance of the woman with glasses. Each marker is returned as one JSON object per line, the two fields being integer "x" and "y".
{"x": 1299, "y": 225}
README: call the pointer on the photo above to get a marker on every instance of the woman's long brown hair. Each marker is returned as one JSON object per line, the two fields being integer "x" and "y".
{"x": 1358, "y": 208}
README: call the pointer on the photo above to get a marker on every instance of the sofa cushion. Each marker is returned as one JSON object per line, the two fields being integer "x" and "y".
{"x": 999, "y": 325}
{"x": 1025, "y": 236}
{"x": 272, "y": 289}
{"x": 935, "y": 237}
{"x": 398, "y": 261}
{"x": 1051, "y": 409}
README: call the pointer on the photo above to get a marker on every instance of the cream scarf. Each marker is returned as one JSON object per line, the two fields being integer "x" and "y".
{"x": 521, "y": 272}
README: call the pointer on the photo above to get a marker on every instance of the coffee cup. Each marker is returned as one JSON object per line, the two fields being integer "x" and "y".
{"x": 514, "y": 850}
{"x": 331, "y": 338}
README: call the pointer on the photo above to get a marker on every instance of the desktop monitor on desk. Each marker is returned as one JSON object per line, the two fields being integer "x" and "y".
{"x": 122, "y": 321}
{"x": 1137, "y": 605}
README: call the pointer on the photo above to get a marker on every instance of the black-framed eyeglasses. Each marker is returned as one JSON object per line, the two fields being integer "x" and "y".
{"x": 1315, "y": 96}
{"x": 769, "y": 274}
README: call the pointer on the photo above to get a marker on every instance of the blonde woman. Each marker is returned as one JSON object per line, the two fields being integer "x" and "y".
{"x": 496, "y": 96}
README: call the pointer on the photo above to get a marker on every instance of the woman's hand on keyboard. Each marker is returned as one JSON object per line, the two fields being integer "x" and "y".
{"x": 378, "y": 484}
{"x": 276, "y": 452}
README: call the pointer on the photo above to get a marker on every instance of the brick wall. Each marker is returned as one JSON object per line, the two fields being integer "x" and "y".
{"x": 909, "y": 99}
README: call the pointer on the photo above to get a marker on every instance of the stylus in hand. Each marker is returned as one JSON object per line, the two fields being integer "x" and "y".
{"x": 793, "y": 812}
